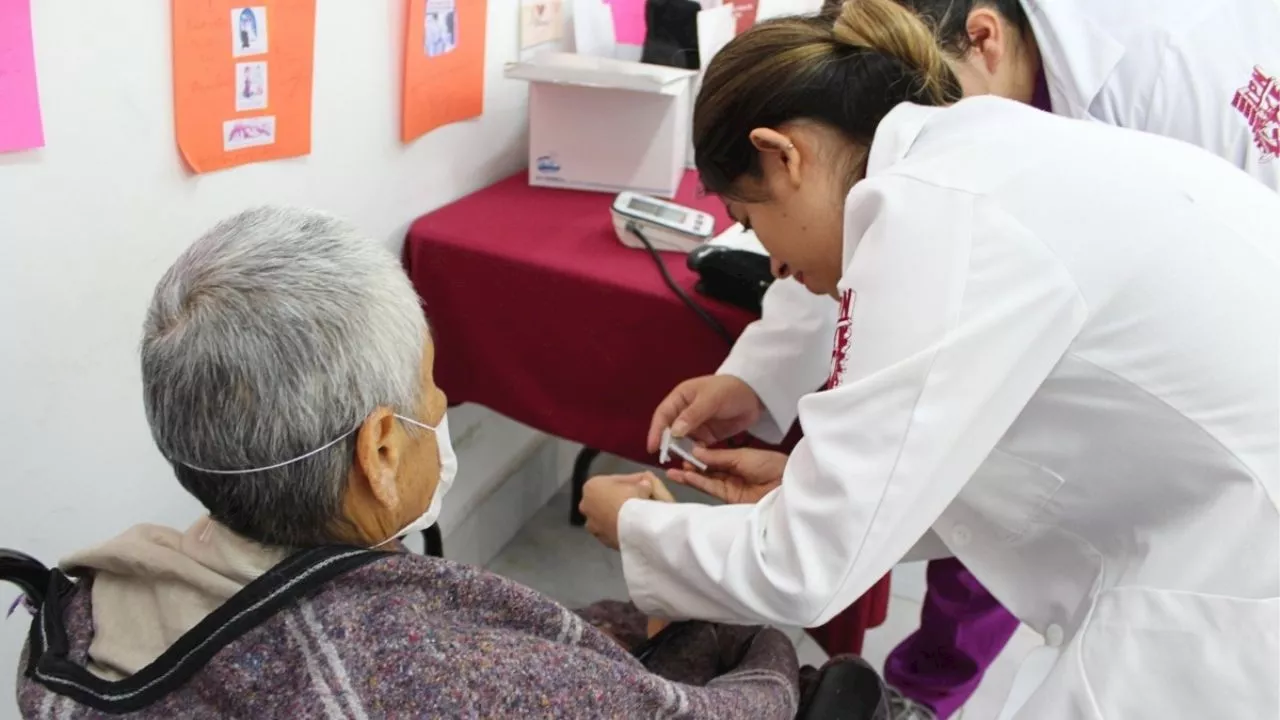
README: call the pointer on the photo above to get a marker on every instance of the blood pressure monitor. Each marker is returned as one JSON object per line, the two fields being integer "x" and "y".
{"x": 666, "y": 225}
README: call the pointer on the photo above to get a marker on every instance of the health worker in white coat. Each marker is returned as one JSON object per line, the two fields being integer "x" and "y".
{"x": 1203, "y": 71}
{"x": 1090, "y": 315}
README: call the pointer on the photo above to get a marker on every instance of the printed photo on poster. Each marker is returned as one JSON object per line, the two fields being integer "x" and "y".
{"x": 441, "y": 27}
{"x": 251, "y": 86}
{"x": 248, "y": 132}
{"x": 248, "y": 31}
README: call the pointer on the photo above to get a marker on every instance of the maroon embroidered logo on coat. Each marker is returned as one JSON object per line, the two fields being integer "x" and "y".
{"x": 1259, "y": 102}
{"x": 844, "y": 328}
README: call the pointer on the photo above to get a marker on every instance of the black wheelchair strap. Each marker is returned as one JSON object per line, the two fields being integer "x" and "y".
{"x": 29, "y": 574}
{"x": 294, "y": 578}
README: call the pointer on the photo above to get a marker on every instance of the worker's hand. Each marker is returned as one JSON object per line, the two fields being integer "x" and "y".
{"x": 707, "y": 409}
{"x": 735, "y": 476}
{"x": 604, "y": 495}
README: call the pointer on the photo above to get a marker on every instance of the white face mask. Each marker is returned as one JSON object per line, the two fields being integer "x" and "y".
{"x": 448, "y": 470}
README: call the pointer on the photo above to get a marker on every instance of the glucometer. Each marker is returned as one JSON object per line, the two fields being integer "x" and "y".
{"x": 655, "y": 225}
{"x": 666, "y": 225}
{"x": 681, "y": 448}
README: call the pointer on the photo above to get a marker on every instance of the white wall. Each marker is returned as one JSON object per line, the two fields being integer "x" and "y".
{"x": 89, "y": 223}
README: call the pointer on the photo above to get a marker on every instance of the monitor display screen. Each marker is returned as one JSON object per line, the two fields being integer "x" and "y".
{"x": 658, "y": 211}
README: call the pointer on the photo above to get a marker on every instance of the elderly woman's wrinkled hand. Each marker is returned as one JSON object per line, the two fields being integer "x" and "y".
{"x": 658, "y": 490}
{"x": 604, "y": 495}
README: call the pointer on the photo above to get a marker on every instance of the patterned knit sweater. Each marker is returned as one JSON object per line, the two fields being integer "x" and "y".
{"x": 406, "y": 636}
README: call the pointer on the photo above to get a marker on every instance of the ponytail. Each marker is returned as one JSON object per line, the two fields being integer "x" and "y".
{"x": 847, "y": 76}
{"x": 948, "y": 19}
{"x": 891, "y": 29}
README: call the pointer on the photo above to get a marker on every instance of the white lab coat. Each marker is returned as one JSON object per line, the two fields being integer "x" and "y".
{"x": 1170, "y": 67}
{"x": 1092, "y": 315}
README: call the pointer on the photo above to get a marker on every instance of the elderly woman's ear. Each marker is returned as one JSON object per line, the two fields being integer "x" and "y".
{"x": 382, "y": 494}
{"x": 378, "y": 454}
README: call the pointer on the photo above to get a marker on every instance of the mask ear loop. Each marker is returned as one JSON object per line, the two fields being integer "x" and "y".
{"x": 422, "y": 425}
{"x": 304, "y": 456}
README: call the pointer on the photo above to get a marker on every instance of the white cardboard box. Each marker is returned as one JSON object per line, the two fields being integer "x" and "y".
{"x": 606, "y": 125}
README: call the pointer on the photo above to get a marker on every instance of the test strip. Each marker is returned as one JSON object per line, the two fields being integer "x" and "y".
{"x": 689, "y": 458}
{"x": 670, "y": 445}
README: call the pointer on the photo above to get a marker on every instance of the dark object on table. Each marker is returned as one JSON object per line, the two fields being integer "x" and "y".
{"x": 672, "y": 35}
{"x": 738, "y": 277}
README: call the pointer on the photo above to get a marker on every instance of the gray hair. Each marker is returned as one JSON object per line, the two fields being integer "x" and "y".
{"x": 277, "y": 332}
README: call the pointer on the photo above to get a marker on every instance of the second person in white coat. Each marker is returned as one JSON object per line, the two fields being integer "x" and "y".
{"x": 1059, "y": 348}
{"x": 1202, "y": 71}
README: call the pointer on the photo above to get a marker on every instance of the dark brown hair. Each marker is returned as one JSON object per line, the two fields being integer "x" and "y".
{"x": 948, "y": 18}
{"x": 846, "y": 75}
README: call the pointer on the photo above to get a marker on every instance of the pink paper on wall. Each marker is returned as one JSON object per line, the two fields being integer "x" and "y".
{"x": 20, "y": 127}
{"x": 745, "y": 12}
{"x": 628, "y": 21}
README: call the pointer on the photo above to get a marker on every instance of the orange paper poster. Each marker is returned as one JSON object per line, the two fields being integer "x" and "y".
{"x": 242, "y": 80}
{"x": 443, "y": 64}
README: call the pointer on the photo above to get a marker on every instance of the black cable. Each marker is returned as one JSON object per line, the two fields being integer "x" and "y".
{"x": 711, "y": 322}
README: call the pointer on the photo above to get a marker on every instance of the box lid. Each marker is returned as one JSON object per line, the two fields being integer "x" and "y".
{"x": 599, "y": 72}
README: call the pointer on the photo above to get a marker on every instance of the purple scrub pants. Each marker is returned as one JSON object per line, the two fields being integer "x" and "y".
{"x": 962, "y": 630}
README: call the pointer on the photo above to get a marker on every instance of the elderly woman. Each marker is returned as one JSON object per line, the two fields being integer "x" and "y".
{"x": 287, "y": 374}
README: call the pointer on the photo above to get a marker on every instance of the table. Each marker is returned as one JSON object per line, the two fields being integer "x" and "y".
{"x": 541, "y": 314}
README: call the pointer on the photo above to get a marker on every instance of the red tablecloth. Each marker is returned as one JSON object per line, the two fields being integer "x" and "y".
{"x": 539, "y": 313}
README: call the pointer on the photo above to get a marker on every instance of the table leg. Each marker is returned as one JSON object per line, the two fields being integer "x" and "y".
{"x": 433, "y": 541}
{"x": 581, "y": 469}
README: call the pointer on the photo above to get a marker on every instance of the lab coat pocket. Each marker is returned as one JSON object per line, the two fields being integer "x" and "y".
{"x": 1161, "y": 654}
{"x": 1010, "y": 493}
